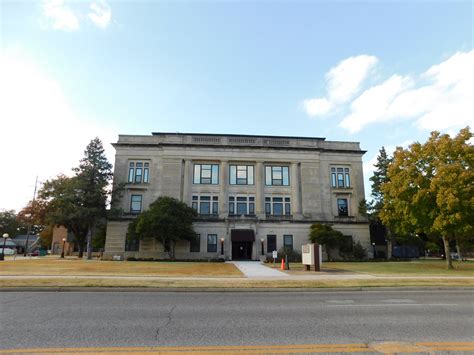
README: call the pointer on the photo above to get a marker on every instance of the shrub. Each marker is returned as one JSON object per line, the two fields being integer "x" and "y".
{"x": 293, "y": 255}
{"x": 359, "y": 251}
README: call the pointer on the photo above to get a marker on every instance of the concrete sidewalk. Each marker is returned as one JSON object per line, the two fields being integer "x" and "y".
{"x": 255, "y": 270}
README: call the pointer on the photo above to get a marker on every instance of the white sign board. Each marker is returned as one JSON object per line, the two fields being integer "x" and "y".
{"x": 275, "y": 254}
{"x": 307, "y": 254}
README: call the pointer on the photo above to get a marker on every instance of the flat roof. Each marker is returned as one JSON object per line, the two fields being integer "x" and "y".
{"x": 234, "y": 135}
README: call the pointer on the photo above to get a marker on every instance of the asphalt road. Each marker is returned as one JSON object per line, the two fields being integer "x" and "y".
{"x": 133, "y": 319}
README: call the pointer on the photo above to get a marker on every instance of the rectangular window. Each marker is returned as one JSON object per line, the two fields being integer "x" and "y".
{"x": 288, "y": 241}
{"x": 271, "y": 243}
{"x": 241, "y": 174}
{"x": 278, "y": 206}
{"x": 136, "y": 203}
{"x": 241, "y": 205}
{"x": 212, "y": 243}
{"x": 138, "y": 172}
{"x": 206, "y": 205}
{"x": 206, "y": 174}
{"x": 277, "y": 176}
{"x": 146, "y": 172}
{"x": 340, "y": 177}
{"x": 342, "y": 207}
{"x": 131, "y": 172}
{"x": 195, "y": 245}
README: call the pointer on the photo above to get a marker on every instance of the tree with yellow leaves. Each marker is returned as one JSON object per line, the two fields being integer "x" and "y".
{"x": 430, "y": 188}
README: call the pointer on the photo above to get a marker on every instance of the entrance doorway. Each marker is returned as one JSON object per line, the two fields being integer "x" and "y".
{"x": 242, "y": 243}
{"x": 241, "y": 250}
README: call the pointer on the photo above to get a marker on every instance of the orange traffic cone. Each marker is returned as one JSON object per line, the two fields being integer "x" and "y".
{"x": 282, "y": 264}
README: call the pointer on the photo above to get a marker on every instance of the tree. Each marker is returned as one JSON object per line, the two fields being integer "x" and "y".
{"x": 32, "y": 217}
{"x": 46, "y": 237}
{"x": 63, "y": 200}
{"x": 325, "y": 235}
{"x": 430, "y": 188}
{"x": 379, "y": 178}
{"x": 79, "y": 202}
{"x": 9, "y": 223}
{"x": 93, "y": 177}
{"x": 168, "y": 221}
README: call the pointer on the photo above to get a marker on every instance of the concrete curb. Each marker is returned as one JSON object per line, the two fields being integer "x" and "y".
{"x": 230, "y": 290}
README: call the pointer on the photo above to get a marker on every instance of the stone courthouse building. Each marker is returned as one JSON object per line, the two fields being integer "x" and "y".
{"x": 253, "y": 194}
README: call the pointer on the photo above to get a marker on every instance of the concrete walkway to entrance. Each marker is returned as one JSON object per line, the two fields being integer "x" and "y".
{"x": 254, "y": 269}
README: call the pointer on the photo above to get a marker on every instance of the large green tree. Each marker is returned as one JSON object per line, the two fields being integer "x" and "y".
{"x": 63, "y": 200}
{"x": 79, "y": 202}
{"x": 325, "y": 235}
{"x": 379, "y": 177}
{"x": 94, "y": 174}
{"x": 430, "y": 188}
{"x": 8, "y": 223}
{"x": 166, "y": 220}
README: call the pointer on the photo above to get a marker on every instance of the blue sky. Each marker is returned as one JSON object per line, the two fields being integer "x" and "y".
{"x": 381, "y": 73}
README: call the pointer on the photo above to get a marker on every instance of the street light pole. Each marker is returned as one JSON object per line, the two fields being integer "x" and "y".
{"x": 222, "y": 246}
{"x": 62, "y": 251}
{"x": 262, "y": 246}
{"x": 375, "y": 253}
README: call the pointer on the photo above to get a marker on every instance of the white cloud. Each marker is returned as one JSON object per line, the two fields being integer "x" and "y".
{"x": 41, "y": 133}
{"x": 101, "y": 13}
{"x": 439, "y": 99}
{"x": 342, "y": 82}
{"x": 317, "y": 107}
{"x": 373, "y": 103}
{"x": 58, "y": 16}
{"x": 345, "y": 79}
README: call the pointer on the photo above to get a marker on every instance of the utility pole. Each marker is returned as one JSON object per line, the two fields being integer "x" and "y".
{"x": 29, "y": 222}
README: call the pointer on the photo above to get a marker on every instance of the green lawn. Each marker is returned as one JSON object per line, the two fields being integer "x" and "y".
{"x": 400, "y": 268}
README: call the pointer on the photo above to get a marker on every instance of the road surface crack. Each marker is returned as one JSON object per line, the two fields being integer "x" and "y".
{"x": 169, "y": 317}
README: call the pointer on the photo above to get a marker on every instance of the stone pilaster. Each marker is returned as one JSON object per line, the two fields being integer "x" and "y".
{"x": 223, "y": 189}
{"x": 259, "y": 196}
{"x": 295, "y": 191}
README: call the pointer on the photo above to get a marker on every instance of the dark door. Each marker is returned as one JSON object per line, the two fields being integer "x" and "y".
{"x": 241, "y": 250}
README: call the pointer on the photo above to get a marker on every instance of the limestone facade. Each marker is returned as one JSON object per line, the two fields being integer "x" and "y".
{"x": 249, "y": 191}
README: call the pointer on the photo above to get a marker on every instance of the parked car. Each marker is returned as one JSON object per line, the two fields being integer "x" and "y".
{"x": 7, "y": 251}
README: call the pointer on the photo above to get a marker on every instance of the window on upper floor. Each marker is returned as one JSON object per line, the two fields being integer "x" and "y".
{"x": 205, "y": 204}
{"x": 277, "y": 205}
{"x": 340, "y": 177}
{"x": 136, "y": 203}
{"x": 241, "y": 174}
{"x": 138, "y": 172}
{"x": 241, "y": 205}
{"x": 206, "y": 174}
{"x": 277, "y": 176}
{"x": 342, "y": 207}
